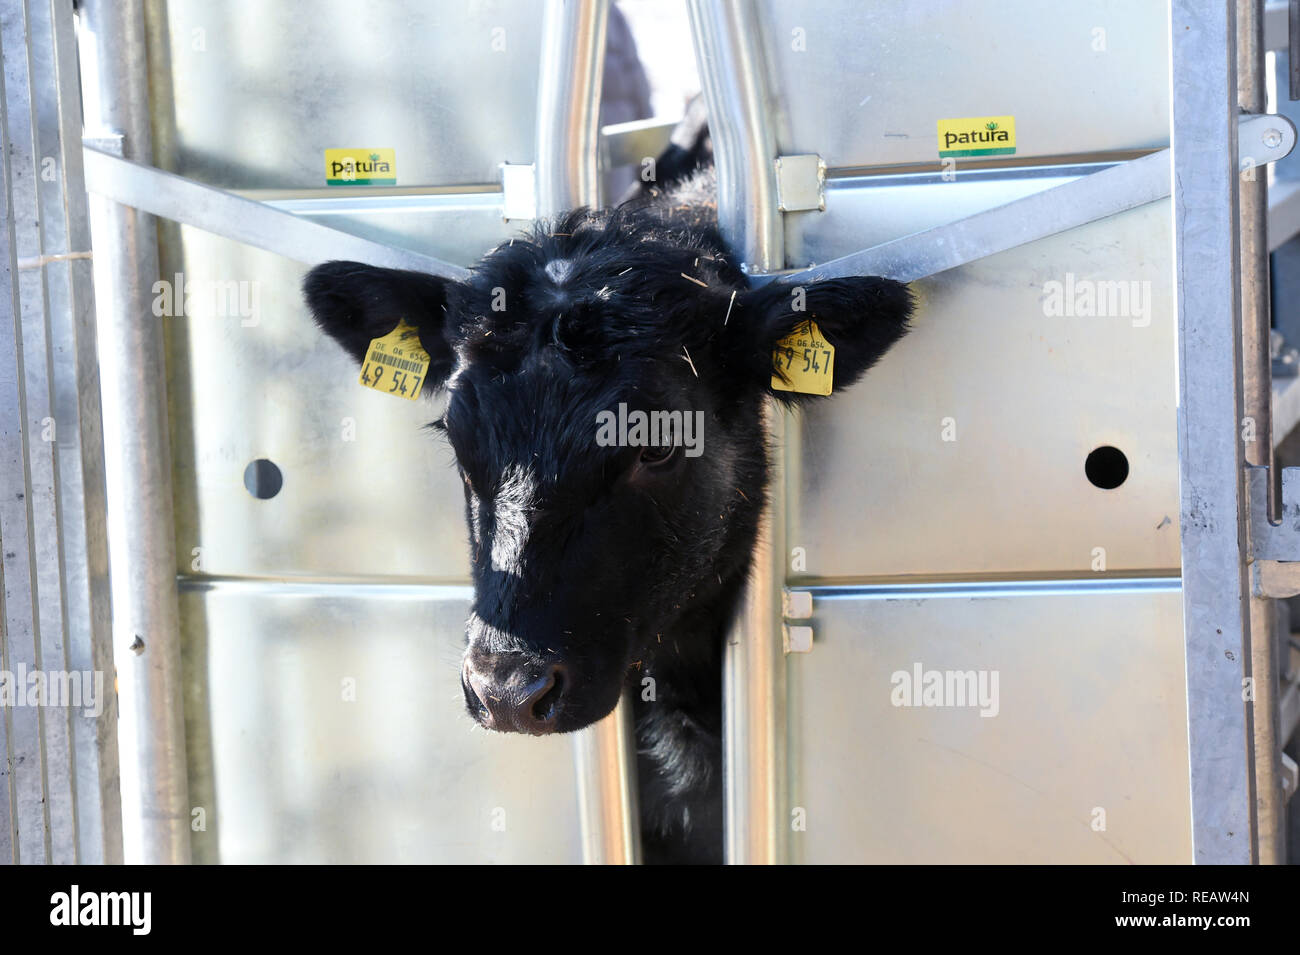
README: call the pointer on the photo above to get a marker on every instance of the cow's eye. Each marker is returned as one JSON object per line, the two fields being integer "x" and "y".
{"x": 661, "y": 457}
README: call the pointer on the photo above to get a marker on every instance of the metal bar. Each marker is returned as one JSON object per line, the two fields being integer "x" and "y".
{"x": 1113, "y": 190}
{"x": 729, "y": 56}
{"x": 568, "y": 104}
{"x": 83, "y": 528}
{"x": 146, "y": 624}
{"x": 1289, "y": 39}
{"x": 607, "y": 796}
{"x": 29, "y": 197}
{"x": 22, "y": 821}
{"x": 568, "y": 137}
{"x": 143, "y": 187}
{"x": 1207, "y": 260}
{"x": 1257, "y": 401}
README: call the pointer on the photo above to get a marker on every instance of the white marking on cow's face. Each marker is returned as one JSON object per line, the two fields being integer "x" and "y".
{"x": 559, "y": 270}
{"x": 511, "y": 511}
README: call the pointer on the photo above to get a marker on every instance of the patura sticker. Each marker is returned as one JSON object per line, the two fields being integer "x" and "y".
{"x": 977, "y": 136}
{"x": 806, "y": 359}
{"x": 360, "y": 167}
{"x": 396, "y": 363}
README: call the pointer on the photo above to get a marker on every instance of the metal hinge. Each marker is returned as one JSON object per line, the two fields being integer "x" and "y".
{"x": 1263, "y": 138}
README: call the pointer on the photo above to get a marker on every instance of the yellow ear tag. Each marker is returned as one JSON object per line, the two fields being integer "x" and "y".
{"x": 396, "y": 363}
{"x": 807, "y": 360}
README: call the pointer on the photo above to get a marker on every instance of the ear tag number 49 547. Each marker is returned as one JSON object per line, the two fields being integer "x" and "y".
{"x": 397, "y": 363}
{"x": 807, "y": 359}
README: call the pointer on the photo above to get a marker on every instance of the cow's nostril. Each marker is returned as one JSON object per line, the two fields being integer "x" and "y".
{"x": 546, "y": 702}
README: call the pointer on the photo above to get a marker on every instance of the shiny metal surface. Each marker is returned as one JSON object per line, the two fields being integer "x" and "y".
{"x": 605, "y": 768}
{"x": 340, "y": 734}
{"x": 146, "y": 625}
{"x": 568, "y": 104}
{"x": 733, "y": 75}
{"x": 253, "y": 92}
{"x": 863, "y": 84}
{"x": 1257, "y": 405}
{"x": 1216, "y": 634}
{"x": 877, "y": 491}
{"x": 1091, "y": 716}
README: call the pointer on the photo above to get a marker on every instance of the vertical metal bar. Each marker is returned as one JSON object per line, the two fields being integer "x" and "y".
{"x": 567, "y": 169}
{"x": 55, "y": 758}
{"x": 1257, "y": 400}
{"x": 142, "y": 550}
{"x": 22, "y": 821}
{"x": 83, "y": 524}
{"x": 729, "y": 55}
{"x": 568, "y": 104}
{"x": 1206, "y": 248}
{"x": 730, "y": 62}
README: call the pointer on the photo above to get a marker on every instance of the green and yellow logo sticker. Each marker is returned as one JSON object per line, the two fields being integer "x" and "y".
{"x": 360, "y": 167}
{"x": 977, "y": 136}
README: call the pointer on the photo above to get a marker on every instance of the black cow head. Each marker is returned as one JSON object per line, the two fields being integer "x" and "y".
{"x": 596, "y": 547}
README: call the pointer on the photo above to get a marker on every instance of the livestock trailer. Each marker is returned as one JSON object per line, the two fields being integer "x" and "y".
{"x": 1062, "y": 496}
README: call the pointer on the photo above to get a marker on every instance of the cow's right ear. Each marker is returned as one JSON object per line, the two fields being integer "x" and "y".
{"x": 355, "y": 303}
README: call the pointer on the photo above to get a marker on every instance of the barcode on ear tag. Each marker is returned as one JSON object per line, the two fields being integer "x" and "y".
{"x": 806, "y": 359}
{"x": 396, "y": 363}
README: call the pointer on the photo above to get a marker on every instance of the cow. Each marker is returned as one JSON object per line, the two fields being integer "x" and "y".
{"x": 597, "y": 565}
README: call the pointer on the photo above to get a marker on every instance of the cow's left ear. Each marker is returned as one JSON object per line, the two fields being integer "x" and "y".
{"x": 861, "y": 316}
{"x": 355, "y": 303}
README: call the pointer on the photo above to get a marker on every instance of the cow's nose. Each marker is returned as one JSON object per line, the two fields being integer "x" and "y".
{"x": 523, "y": 700}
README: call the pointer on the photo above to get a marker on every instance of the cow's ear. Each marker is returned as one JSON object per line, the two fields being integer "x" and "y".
{"x": 355, "y": 303}
{"x": 860, "y": 316}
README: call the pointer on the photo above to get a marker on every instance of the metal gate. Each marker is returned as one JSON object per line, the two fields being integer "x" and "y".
{"x": 1049, "y": 494}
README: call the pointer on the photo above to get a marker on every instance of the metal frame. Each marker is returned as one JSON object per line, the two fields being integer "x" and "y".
{"x": 59, "y": 802}
{"x": 730, "y": 62}
{"x": 142, "y": 548}
{"x": 1204, "y": 166}
{"x": 1216, "y": 623}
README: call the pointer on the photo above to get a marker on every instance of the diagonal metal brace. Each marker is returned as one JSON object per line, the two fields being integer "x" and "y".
{"x": 1115, "y": 189}
{"x": 234, "y": 217}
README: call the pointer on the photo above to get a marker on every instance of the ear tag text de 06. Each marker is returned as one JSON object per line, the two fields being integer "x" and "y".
{"x": 396, "y": 363}
{"x": 807, "y": 359}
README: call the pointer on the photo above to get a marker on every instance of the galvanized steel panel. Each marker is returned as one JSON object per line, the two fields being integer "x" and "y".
{"x": 256, "y": 91}
{"x": 877, "y": 492}
{"x": 864, "y": 84}
{"x": 368, "y": 491}
{"x": 338, "y": 733}
{"x": 1091, "y": 715}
